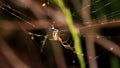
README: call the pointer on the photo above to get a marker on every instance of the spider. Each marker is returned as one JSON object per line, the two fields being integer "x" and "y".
{"x": 53, "y": 34}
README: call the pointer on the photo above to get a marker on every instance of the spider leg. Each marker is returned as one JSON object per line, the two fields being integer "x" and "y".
{"x": 37, "y": 35}
{"x": 43, "y": 42}
{"x": 67, "y": 46}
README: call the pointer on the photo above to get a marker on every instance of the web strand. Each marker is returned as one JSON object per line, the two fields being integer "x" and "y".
{"x": 88, "y": 26}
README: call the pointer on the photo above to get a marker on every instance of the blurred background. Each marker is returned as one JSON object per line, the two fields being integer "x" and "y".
{"x": 27, "y": 34}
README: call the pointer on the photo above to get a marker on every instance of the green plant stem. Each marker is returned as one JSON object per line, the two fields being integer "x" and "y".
{"x": 114, "y": 62}
{"x": 77, "y": 42}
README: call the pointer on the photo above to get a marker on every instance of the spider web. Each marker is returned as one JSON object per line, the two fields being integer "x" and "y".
{"x": 111, "y": 14}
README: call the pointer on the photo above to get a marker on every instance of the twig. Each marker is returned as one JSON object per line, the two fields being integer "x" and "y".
{"x": 10, "y": 55}
{"x": 89, "y": 33}
{"x": 109, "y": 45}
{"x": 60, "y": 60}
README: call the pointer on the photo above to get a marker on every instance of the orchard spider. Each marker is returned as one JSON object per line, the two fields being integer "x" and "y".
{"x": 53, "y": 34}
